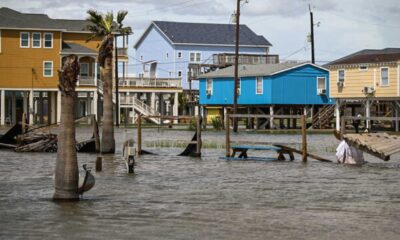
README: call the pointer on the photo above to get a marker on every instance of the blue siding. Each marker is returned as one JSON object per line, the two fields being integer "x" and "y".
{"x": 296, "y": 86}
{"x": 155, "y": 46}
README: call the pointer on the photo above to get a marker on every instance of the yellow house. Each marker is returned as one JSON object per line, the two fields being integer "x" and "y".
{"x": 369, "y": 79}
{"x": 32, "y": 48}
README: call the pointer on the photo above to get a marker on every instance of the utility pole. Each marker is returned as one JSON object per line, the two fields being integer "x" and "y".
{"x": 116, "y": 84}
{"x": 312, "y": 34}
{"x": 236, "y": 80}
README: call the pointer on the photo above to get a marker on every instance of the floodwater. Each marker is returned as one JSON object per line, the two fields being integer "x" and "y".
{"x": 172, "y": 197}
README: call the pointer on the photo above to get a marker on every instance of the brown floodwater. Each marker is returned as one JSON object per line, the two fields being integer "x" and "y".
{"x": 171, "y": 197}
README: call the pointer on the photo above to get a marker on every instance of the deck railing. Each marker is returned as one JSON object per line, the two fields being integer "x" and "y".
{"x": 147, "y": 82}
{"x": 86, "y": 81}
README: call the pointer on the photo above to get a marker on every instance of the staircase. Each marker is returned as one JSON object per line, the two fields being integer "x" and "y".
{"x": 323, "y": 117}
{"x": 136, "y": 104}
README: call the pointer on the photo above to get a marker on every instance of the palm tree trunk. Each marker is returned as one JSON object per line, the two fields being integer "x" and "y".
{"x": 66, "y": 173}
{"x": 107, "y": 138}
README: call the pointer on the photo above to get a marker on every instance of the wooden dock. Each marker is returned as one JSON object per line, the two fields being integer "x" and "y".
{"x": 381, "y": 145}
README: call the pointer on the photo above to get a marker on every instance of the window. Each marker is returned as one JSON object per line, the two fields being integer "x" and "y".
{"x": 384, "y": 76}
{"x": 24, "y": 40}
{"x": 195, "y": 57}
{"x": 141, "y": 58}
{"x": 48, "y": 40}
{"x": 259, "y": 85}
{"x": 321, "y": 85}
{"x": 47, "y": 68}
{"x": 239, "y": 85}
{"x": 84, "y": 72}
{"x": 341, "y": 75}
{"x": 179, "y": 73}
{"x": 36, "y": 40}
{"x": 364, "y": 67}
{"x": 166, "y": 56}
{"x": 209, "y": 86}
{"x": 179, "y": 55}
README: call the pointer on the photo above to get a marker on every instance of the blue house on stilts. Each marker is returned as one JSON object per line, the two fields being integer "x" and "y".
{"x": 275, "y": 89}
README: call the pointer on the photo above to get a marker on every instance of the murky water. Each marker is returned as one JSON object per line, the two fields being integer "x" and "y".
{"x": 173, "y": 197}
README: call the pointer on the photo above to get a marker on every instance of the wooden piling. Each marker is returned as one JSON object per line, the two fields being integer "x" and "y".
{"x": 198, "y": 140}
{"x": 304, "y": 137}
{"x": 99, "y": 164}
{"x": 23, "y": 123}
{"x": 227, "y": 137}
{"x": 342, "y": 127}
{"x": 139, "y": 134}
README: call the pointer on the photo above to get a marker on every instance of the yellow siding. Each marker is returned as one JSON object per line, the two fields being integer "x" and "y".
{"x": 212, "y": 113}
{"x": 356, "y": 80}
{"x": 80, "y": 38}
{"x": 23, "y": 67}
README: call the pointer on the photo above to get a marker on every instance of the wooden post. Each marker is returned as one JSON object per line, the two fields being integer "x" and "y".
{"x": 23, "y": 123}
{"x": 99, "y": 164}
{"x": 304, "y": 137}
{"x": 342, "y": 126}
{"x": 227, "y": 138}
{"x": 139, "y": 134}
{"x": 198, "y": 140}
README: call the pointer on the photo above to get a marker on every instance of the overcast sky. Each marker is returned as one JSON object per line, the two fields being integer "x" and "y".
{"x": 345, "y": 26}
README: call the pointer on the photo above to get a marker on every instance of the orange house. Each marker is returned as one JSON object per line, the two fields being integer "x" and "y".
{"x": 32, "y": 48}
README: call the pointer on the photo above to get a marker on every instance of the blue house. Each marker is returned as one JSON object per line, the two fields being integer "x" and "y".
{"x": 167, "y": 48}
{"x": 286, "y": 88}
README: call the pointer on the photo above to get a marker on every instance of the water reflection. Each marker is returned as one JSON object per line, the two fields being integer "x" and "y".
{"x": 173, "y": 197}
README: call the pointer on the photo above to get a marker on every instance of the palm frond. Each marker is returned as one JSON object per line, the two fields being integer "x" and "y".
{"x": 120, "y": 17}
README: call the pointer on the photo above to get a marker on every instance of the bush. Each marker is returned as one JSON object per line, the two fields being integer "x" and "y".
{"x": 217, "y": 123}
{"x": 192, "y": 124}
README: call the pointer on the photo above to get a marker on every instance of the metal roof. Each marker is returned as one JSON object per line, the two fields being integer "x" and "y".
{"x": 256, "y": 70}
{"x": 206, "y": 34}
{"x": 12, "y": 19}
{"x": 74, "y": 48}
{"x": 369, "y": 56}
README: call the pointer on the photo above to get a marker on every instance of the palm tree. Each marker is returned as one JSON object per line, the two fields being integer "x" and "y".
{"x": 103, "y": 26}
{"x": 66, "y": 174}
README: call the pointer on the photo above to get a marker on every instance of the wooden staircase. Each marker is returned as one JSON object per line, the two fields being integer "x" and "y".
{"x": 323, "y": 117}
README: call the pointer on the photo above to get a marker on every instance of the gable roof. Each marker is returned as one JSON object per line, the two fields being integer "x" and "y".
{"x": 256, "y": 70}
{"x": 369, "y": 56}
{"x": 205, "y": 34}
{"x": 11, "y": 19}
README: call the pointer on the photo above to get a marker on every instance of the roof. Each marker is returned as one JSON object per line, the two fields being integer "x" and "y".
{"x": 205, "y": 34}
{"x": 369, "y": 56}
{"x": 10, "y": 18}
{"x": 74, "y": 48}
{"x": 256, "y": 70}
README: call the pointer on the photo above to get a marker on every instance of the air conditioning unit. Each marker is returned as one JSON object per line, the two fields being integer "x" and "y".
{"x": 368, "y": 90}
{"x": 321, "y": 91}
{"x": 340, "y": 83}
{"x": 208, "y": 92}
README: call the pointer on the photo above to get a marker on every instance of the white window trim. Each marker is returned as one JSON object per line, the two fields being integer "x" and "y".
{"x": 44, "y": 40}
{"x": 211, "y": 84}
{"x": 195, "y": 53}
{"x": 20, "y": 40}
{"x": 262, "y": 86}
{"x": 325, "y": 84}
{"x": 388, "y": 77}
{"x": 344, "y": 75}
{"x": 0, "y": 40}
{"x": 177, "y": 55}
{"x": 239, "y": 86}
{"x": 363, "y": 70}
{"x": 52, "y": 66}
{"x": 80, "y": 72}
{"x": 40, "y": 39}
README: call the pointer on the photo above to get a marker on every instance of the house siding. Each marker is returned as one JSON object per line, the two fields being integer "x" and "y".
{"x": 297, "y": 86}
{"x": 356, "y": 80}
{"x": 155, "y": 45}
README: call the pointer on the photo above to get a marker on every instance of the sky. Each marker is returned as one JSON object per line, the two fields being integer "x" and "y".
{"x": 345, "y": 26}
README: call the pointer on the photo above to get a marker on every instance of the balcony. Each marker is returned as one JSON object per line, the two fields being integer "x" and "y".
{"x": 86, "y": 81}
{"x": 122, "y": 52}
{"x": 147, "y": 82}
{"x": 227, "y": 59}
